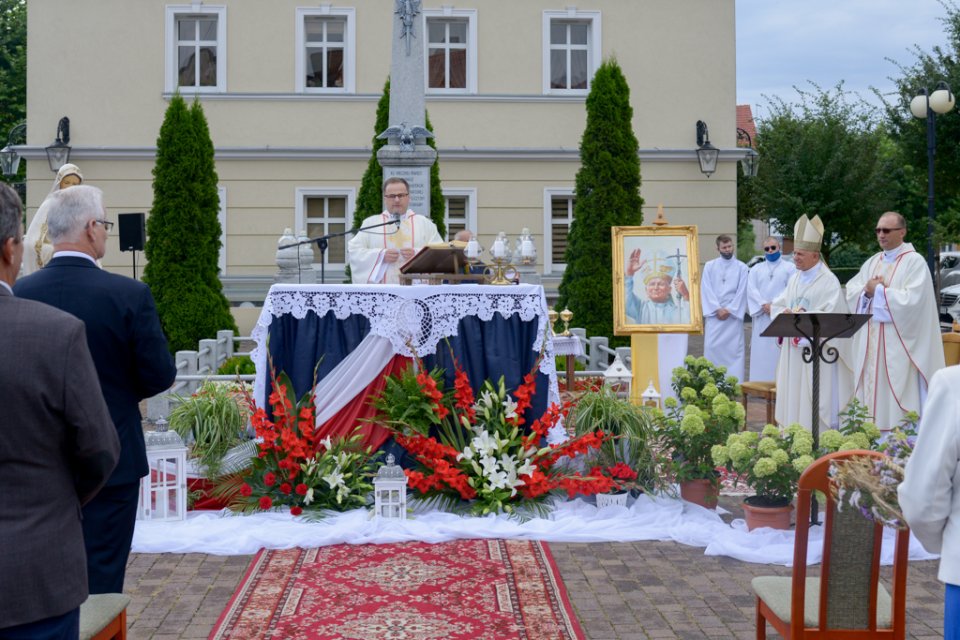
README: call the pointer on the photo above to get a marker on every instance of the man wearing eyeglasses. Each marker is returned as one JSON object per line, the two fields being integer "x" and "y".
{"x": 898, "y": 352}
{"x": 377, "y": 254}
{"x": 129, "y": 352}
{"x": 766, "y": 281}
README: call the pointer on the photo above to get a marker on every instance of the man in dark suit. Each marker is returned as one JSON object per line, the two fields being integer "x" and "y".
{"x": 57, "y": 448}
{"x": 129, "y": 351}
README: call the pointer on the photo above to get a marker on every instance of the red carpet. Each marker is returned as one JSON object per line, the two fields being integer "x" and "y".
{"x": 460, "y": 590}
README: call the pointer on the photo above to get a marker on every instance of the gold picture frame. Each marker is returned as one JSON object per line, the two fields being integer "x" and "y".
{"x": 646, "y": 264}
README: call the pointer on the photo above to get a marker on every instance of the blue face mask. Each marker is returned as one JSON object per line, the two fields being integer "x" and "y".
{"x": 773, "y": 257}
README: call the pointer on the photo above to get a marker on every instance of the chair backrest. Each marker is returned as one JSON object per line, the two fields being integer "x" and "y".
{"x": 951, "y": 348}
{"x": 850, "y": 569}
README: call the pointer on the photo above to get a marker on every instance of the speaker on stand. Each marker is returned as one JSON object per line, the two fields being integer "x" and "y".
{"x": 133, "y": 234}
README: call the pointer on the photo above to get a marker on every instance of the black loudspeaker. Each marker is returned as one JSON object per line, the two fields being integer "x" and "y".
{"x": 133, "y": 231}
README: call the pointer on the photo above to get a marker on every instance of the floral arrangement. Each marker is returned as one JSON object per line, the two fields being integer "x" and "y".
{"x": 769, "y": 462}
{"x": 296, "y": 468}
{"x": 477, "y": 454}
{"x": 621, "y": 476}
{"x": 212, "y": 421}
{"x": 870, "y": 484}
{"x": 706, "y": 415}
{"x": 855, "y": 432}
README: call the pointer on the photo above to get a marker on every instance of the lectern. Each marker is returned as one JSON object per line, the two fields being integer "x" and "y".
{"x": 818, "y": 329}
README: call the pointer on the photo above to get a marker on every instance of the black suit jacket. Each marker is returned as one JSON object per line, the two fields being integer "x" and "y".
{"x": 57, "y": 448}
{"x": 127, "y": 344}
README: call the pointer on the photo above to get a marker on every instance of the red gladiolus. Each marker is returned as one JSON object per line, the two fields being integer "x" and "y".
{"x": 301, "y": 489}
{"x": 246, "y": 490}
{"x": 269, "y": 479}
{"x": 266, "y": 502}
{"x": 285, "y": 488}
{"x": 295, "y": 511}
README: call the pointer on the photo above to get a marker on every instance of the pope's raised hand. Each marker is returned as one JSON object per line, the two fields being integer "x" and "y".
{"x": 634, "y": 263}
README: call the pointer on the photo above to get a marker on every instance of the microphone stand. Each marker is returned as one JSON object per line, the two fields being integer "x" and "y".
{"x": 324, "y": 241}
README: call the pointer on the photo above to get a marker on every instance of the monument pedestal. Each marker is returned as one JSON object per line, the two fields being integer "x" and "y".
{"x": 413, "y": 165}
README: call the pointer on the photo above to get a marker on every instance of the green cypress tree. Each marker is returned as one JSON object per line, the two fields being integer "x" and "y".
{"x": 607, "y": 195}
{"x": 437, "y": 208}
{"x": 183, "y": 239}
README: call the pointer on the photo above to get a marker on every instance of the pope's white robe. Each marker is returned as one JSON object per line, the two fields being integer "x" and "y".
{"x": 724, "y": 285}
{"x": 765, "y": 282}
{"x": 367, "y": 248}
{"x": 816, "y": 290}
{"x": 900, "y": 349}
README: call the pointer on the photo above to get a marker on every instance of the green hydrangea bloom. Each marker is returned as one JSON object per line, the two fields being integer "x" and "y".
{"x": 771, "y": 431}
{"x": 692, "y": 425}
{"x": 795, "y": 428}
{"x": 738, "y": 411}
{"x": 734, "y": 438}
{"x": 705, "y": 375}
{"x": 802, "y": 444}
{"x": 801, "y": 463}
{"x": 739, "y": 453}
{"x": 722, "y": 410}
{"x": 701, "y": 362}
{"x": 871, "y": 430}
{"x": 721, "y": 370}
{"x": 689, "y": 394}
{"x": 831, "y": 439}
{"x": 732, "y": 381}
{"x": 780, "y": 457}
{"x": 737, "y": 390}
{"x": 766, "y": 446}
{"x": 689, "y": 361}
{"x": 848, "y": 446}
{"x": 692, "y": 410}
{"x": 860, "y": 440}
{"x": 749, "y": 438}
{"x": 670, "y": 403}
{"x": 709, "y": 391}
{"x": 719, "y": 454}
{"x": 765, "y": 467}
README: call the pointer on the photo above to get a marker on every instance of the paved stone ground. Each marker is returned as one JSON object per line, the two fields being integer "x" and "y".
{"x": 620, "y": 591}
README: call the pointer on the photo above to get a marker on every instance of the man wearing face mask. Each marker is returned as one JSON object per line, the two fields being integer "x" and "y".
{"x": 766, "y": 281}
{"x": 724, "y": 301}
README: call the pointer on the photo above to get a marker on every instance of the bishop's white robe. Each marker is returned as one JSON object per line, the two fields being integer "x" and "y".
{"x": 724, "y": 285}
{"x": 765, "y": 282}
{"x": 367, "y": 248}
{"x": 900, "y": 349}
{"x": 815, "y": 290}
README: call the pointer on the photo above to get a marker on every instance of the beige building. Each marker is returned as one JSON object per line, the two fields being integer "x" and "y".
{"x": 290, "y": 92}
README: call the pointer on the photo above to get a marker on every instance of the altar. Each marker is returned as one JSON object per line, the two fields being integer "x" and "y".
{"x": 351, "y": 336}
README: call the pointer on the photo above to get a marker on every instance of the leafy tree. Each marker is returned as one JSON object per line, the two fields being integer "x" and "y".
{"x": 826, "y": 156}
{"x": 929, "y": 68}
{"x": 183, "y": 231}
{"x": 746, "y": 214}
{"x": 13, "y": 70}
{"x": 607, "y": 195}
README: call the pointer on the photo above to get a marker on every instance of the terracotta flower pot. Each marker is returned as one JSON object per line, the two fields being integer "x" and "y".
{"x": 700, "y": 491}
{"x": 773, "y": 517}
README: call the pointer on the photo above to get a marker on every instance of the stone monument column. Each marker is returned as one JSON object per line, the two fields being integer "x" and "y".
{"x": 407, "y": 154}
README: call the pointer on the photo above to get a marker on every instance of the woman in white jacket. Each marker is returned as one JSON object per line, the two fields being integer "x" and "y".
{"x": 930, "y": 492}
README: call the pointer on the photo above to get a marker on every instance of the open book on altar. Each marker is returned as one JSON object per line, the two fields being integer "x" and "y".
{"x": 441, "y": 257}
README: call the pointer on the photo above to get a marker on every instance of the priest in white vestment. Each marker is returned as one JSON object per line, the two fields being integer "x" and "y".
{"x": 723, "y": 295}
{"x": 812, "y": 289}
{"x": 766, "y": 281}
{"x": 377, "y": 255}
{"x": 900, "y": 349}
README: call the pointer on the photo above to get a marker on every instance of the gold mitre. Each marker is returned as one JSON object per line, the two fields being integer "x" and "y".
{"x": 661, "y": 268}
{"x": 808, "y": 233}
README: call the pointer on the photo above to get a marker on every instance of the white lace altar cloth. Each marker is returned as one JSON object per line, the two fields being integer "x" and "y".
{"x": 646, "y": 518}
{"x": 415, "y": 319}
{"x": 567, "y": 345}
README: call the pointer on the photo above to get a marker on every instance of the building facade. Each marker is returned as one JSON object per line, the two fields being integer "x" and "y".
{"x": 290, "y": 92}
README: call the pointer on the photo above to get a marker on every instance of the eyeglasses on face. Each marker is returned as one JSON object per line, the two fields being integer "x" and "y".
{"x": 396, "y": 196}
{"x": 106, "y": 224}
{"x": 771, "y": 249}
{"x": 885, "y": 231}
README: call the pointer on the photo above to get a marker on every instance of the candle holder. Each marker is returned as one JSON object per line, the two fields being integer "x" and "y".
{"x": 502, "y": 272}
{"x": 552, "y": 316}
{"x": 566, "y": 315}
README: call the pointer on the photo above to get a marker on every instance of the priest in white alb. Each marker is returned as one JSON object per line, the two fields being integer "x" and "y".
{"x": 766, "y": 281}
{"x": 723, "y": 295}
{"x": 377, "y": 255}
{"x": 900, "y": 349}
{"x": 812, "y": 289}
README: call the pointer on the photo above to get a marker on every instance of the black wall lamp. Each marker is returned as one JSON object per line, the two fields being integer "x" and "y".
{"x": 707, "y": 154}
{"x": 58, "y": 153}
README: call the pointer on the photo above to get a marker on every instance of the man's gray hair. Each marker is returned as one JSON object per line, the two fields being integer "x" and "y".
{"x": 11, "y": 214}
{"x": 70, "y": 211}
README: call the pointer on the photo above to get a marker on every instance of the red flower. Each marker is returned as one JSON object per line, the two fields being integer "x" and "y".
{"x": 246, "y": 490}
{"x": 523, "y": 394}
{"x": 295, "y": 511}
{"x": 269, "y": 479}
{"x": 285, "y": 488}
{"x": 266, "y": 502}
{"x": 301, "y": 489}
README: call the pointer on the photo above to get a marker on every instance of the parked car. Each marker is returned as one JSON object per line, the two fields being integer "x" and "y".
{"x": 950, "y": 302}
{"x": 949, "y": 268}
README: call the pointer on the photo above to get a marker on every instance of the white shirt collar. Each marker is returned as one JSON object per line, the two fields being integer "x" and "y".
{"x": 891, "y": 254}
{"x": 807, "y": 276}
{"x": 6, "y": 286}
{"x": 74, "y": 254}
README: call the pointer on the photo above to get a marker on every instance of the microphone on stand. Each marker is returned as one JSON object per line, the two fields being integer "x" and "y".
{"x": 396, "y": 219}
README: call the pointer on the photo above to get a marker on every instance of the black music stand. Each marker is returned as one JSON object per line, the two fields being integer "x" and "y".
{"x": 818, "y": 329}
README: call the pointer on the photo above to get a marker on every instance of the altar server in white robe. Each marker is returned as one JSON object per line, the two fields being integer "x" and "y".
{"x": 766, "y": 281}
{"x": 377, "y": 255}
{"x": 723, "y": 294}
{"x": 812, "y": 289}
{"x": 900, "y": 349}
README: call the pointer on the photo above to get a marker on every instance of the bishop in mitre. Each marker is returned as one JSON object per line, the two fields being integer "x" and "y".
{"x": 812, "y": 289}
{"x": 377, "y": 254}
{"x": 900, "y": 349}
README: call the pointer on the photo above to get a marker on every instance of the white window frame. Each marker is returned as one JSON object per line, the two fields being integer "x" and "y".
{"x": 171, "y": 61}
{"x": 470, "y": 193}
{"x": 300, "y": 208}
{"x": 349, "y": 48}
{"x": 448, "y": 12}
{"x": 549, "y": 193}
{"x": 222, "y": 216}
{"x": 593, "y": 47}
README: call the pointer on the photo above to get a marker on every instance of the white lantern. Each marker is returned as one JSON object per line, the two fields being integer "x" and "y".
{"x": 390, "y": 491}
{"x": 163, "y": 491}
{"x": 651, "y": 397}
{"x": 617, "y": 373}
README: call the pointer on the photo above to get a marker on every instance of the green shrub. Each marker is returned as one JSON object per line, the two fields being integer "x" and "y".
{"x": 237, "y": 365}
{"x": 213, "y": 420}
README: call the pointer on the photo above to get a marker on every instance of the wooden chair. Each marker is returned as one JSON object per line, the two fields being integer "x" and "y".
{"x": 104, "y": 617}
{"x": 766, "y": 391}
{"x": 847, "y": 599}
{"x": 951, "y": 348}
